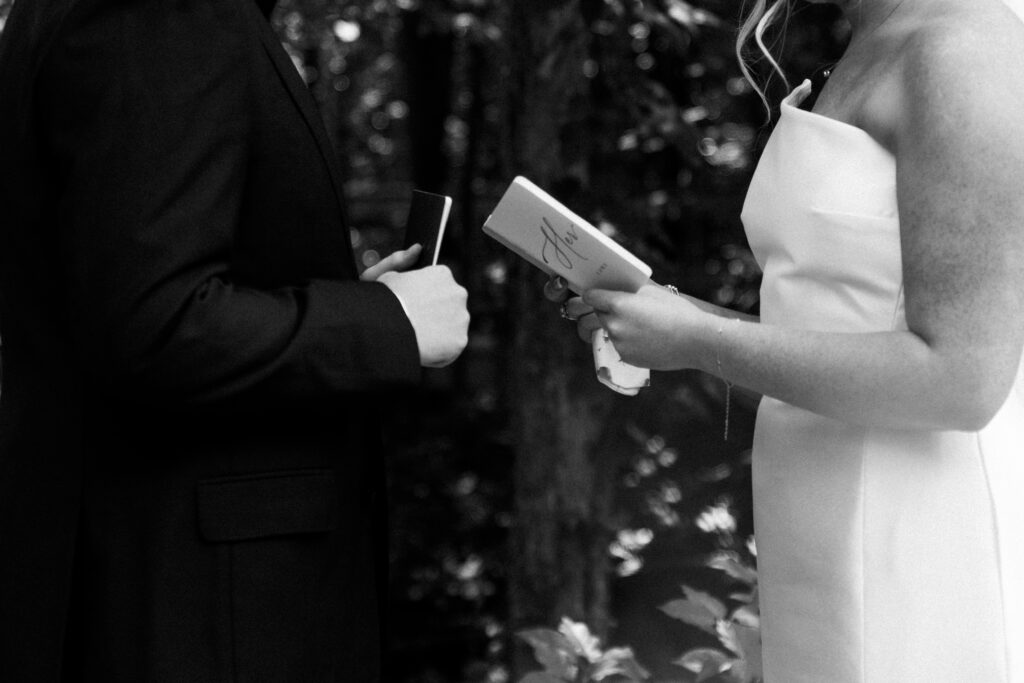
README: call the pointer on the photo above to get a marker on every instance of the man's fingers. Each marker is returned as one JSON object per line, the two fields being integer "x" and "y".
{"x": 398, "y": 260}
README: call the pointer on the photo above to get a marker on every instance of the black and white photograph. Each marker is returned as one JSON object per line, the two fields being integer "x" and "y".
{"x": 511, "y": 341}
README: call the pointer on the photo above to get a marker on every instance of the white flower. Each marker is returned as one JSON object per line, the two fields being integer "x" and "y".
{"x": 717, "y": 519}
{"x": 582, "y": 640}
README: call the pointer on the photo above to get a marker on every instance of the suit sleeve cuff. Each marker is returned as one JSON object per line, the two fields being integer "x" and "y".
{"x": 370, "y": 342}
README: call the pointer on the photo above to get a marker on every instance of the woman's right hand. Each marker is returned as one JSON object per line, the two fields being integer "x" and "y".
{"x": 556, "y": 289}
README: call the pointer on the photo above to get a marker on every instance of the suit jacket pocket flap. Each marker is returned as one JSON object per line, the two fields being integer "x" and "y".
{"x": 272, "y": 504}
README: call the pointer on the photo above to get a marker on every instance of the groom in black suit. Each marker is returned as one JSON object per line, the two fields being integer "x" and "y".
{"x": 190, "y": 482}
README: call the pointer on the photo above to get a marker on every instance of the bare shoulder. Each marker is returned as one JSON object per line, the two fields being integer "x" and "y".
{"x": 963, "y": 70}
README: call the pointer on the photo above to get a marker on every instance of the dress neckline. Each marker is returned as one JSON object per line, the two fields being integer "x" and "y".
{"x": 791, "y": 106}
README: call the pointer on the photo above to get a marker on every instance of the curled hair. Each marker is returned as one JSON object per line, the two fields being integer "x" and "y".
{"x": 761, "y": 17}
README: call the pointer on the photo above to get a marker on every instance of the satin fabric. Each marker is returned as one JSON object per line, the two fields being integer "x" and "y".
{"x": 884, "y": 555}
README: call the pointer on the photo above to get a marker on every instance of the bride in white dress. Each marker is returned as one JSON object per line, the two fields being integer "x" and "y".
{"x": 889, "y": 447}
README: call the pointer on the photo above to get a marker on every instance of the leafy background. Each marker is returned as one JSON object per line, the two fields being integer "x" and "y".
{"x": 522, "y": 491}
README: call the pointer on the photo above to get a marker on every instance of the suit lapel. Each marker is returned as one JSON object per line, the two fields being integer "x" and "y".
{"x": 304, "y": 102}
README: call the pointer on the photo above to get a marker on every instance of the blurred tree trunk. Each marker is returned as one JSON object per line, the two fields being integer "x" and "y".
{"x": 563, "y": 485}
{"x": 427, "y": 55}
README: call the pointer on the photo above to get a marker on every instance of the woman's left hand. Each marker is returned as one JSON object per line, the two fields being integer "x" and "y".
{"x": 653, "y": 328}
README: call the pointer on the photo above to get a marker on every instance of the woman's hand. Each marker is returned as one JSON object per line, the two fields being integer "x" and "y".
{"x": 556, "y": 289}
{"x": 653, "y": 328}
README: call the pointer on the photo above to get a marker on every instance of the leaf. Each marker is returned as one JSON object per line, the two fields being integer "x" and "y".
{"x": 582, "y": 641}
{"x": 727, "y": 635}
{"x": 621, "y": 661}
{"x": 553, "y": 651}
{"x": 698, "y": 609}
{"x": 691, "y": 613}
{"x": 541, "y": 677}
{"x": 714, "y": 605}
{"x": 746, "y": 616}
{"x": 734, "y": 568}
{"x": 704, "y": 660}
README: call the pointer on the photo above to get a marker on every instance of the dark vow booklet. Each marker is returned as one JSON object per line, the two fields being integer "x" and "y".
{"x": 428, "y": 214}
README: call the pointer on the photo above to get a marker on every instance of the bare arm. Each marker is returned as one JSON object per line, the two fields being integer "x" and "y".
{"x": 960, "y": 158}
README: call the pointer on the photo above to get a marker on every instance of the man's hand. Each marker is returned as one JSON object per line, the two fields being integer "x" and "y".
{"x": 436, "y": 306}
{"x": 398, "y": 260}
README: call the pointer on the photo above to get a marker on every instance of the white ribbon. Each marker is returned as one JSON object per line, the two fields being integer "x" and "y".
{"x": 612, "y": 371}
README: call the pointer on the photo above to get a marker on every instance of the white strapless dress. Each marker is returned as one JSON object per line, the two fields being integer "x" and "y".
{"x": 885, "y": 556}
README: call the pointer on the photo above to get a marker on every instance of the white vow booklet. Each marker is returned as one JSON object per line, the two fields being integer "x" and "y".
{"x": 543, "y": 231}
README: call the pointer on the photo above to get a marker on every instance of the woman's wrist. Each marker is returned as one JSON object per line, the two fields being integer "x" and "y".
{"x": 693, "y": 340}
{"x": 718, "y": 337}
{"x": 708, "y": 343}
{"x": 698, "y": 333}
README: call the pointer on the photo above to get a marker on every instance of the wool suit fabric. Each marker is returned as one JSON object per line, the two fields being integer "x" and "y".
{"x": 190, "y": 472}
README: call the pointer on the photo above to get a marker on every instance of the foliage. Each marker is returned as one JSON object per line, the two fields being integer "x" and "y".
{"x": 737, "y": 628}
{"x": 573, "y": 654}
{"x": 730, "y": 615}
{"x": 664, "y": 140}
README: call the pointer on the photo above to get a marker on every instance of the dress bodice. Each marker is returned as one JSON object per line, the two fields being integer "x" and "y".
{"x": 822, "y": 219}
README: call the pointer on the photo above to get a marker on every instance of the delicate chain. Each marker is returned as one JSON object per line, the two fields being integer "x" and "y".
{"x": 728, "y": 384}
{"x": 718, "y": 363}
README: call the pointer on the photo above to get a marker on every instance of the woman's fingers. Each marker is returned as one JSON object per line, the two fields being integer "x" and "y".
{"x": 601, "y": 303}
{"x": 603, "y": 300}
{"x": 556, "y": 289}
{"x": 574, "y": 308}
{"x": 586, "y": 325}
{"x": 396, "y": 261}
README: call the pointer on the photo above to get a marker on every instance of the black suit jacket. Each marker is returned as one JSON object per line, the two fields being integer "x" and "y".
{"x": 189, "y": 471}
